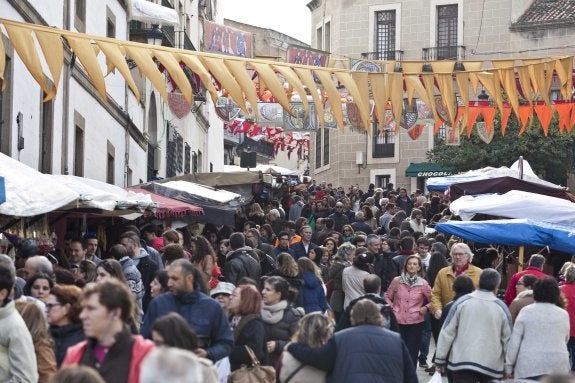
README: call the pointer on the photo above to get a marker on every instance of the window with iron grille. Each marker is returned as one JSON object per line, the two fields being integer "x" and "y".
{"x": 447, "y": 32}
{"x": 325, "y": 147}
{"x": 188, "y": 159}
{"x": 383, "y": 142}
{"x": 173, "y": 158}
{"x": 180, "y": 149}
{"x": 385, "y": 35}
{"x": 318, "y": 148}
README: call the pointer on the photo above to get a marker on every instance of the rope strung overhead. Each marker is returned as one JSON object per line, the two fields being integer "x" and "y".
{"x": 510, "y": 80}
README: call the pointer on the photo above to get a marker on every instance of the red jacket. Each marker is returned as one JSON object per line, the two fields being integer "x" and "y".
{"x": 568, "y": 291}
{"x": 140, "y": 349}
{"x": 511, "y": 293}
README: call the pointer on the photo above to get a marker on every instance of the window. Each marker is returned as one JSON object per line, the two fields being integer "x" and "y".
{"x": 318, "y": 148}
{"x": 110, "y": 164}
{"x": 383, "y": 142}
{"x": 385, "y": 35}
{"x": 80, "y": 15}
{"x": 5, "y": 109}
{"x": 322, "y": 148}
{"x": 447, "y": 32}
{"x": 79, "y": 151}
{"x": 325, "y": 147}
{"x": 46, "y": 133}
{"x": 381, "y": 181}
{"x": 194, "y": 162}
{"x": 200, "y": 161}
{"x": 327, "y": 37}
{"x": 110, "y": 24}
{"x": 319, "y": 38}
{"x": 187, "y": 159}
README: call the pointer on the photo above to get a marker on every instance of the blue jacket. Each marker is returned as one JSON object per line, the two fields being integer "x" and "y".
{"x": 203, "y": 314}
{"x": 365, "y": 353}
{"x": 312, "y": 293}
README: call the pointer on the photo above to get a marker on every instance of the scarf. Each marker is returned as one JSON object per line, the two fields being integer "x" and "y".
{"x": 461, "y": 271}
{"x": 272, "y": 314}
{"x": 407, "y": 280}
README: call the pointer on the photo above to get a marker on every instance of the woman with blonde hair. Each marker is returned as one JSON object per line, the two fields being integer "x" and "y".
{"x": 314, "y": 331}
{"x": 77, "y": 374}
{"x": 256, "y": 214}
{"x": 43, "y": 345}
{"x": 288, "y": 269}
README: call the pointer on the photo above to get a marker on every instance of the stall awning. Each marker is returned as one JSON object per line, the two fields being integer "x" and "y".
{"x": 427, "y": 169}
{"x": 169, "y": 207}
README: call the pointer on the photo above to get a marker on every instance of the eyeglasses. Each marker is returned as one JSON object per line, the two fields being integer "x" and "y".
{"x": 284, "y": 239}
{"x": 49, "y": 306}
{"x": 339, "y": 207}
{"x": 459, "y": 255}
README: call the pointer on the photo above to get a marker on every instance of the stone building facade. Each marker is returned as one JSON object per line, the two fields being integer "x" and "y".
{"x": 416, "y": 30}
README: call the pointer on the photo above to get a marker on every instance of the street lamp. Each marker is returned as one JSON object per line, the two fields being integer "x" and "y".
{"x": 155, "y": 36}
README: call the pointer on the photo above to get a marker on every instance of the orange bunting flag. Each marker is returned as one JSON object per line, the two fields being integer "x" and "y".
{"x": 437, "y": 126}
{"x": 572, "y": 121}
{"x": 471, "y": 117}
{"x": 564, "y": 112}
{"x": 504, "y": 119}
{"x": 524, "y": 114}
{"x": 488, "y": 113}
{"x": 545, "y": 114}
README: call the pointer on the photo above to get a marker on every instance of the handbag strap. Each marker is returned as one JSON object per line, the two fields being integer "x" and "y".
{"x": 294, "y": 372}
{"x": 253, "y": 357}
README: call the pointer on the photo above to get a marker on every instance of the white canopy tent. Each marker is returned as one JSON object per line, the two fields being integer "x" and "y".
{"x": 516, "y": 204}
{"x": 29, "y": 192}
{"x": 266, "y": 169}
{"x": 101, "y": 195}
{"x": 527, "y": 174}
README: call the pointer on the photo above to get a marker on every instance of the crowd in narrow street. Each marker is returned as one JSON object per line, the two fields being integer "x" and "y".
{"x": 322, "y": 283}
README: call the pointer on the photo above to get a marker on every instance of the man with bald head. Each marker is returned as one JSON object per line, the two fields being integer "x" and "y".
{"x": 37, "y": 264}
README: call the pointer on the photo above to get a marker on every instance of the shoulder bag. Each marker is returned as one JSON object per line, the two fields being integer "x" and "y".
{"x": 254, "y": 374}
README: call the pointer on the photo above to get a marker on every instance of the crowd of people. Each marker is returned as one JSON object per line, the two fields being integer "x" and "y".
{"x": 322, "y": 284}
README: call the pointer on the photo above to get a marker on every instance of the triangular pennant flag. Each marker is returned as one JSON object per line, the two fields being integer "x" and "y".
{"x": 525, "y": 80}
{"x": 488, "y": 113}
{"x": 563, "y": 67}
{"x": 550, "y": 66}
{"x": 358, "y": 98}
{"x": 116, "y": 58}
{"x": 23, "y": 42}
{"x": 544, "y": 113}
{"x": 380, "y": 96}
{"x": 443, "y": 71}
{"x": 147, "y": 67}
{"x": 472, "y": 67}
{"x": 173, "y": 67}
{"x": 273, "y": 83}
{"x": 329, "y": 88}
{"x": 87, "y": 56}
{"x": 305, "y": 76}
{"x": 564, "y": 111}
{"x": 53, "y": 50}
{"x": 490, "y": 82}
{"x": 293, "y": 80}
{"x": 219, "y": 70}
{"x": 524, "y": 114}
{"x": 505, "y": 118}
{"x": 194, "y": 63}
{"x": 510, "y": 87}
{"x": 471, "y": 118}
{"x": 437, "y": 126}
{"x": 240, "y": 73}
{"x": 429, "y": 84}
{"x": 396, "y": 95}
{"x": 572, "y": 121}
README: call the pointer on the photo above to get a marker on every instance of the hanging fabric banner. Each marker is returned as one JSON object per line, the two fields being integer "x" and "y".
{"x": 544, "y": 113}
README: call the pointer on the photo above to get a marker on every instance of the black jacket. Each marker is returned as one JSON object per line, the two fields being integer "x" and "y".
{"x": 299, "y": 249}
{"x": 64, "y": 337}
{"x": 239, "y": 264}
{"x": 251, "y": 334}
{"x": 281, "y": 332}
{"x": 390, "y": 322}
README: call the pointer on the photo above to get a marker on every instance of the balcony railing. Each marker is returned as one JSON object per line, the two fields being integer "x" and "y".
{"x": 448, "y": 52}
{"x": 383, "y": 55}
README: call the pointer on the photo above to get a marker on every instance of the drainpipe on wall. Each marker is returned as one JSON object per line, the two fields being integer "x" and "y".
{"x": 65, "y": 98}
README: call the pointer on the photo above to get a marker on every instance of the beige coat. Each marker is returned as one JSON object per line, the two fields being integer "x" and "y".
{"x": 442, "y": 292}
{"x": 306, "y": 374}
